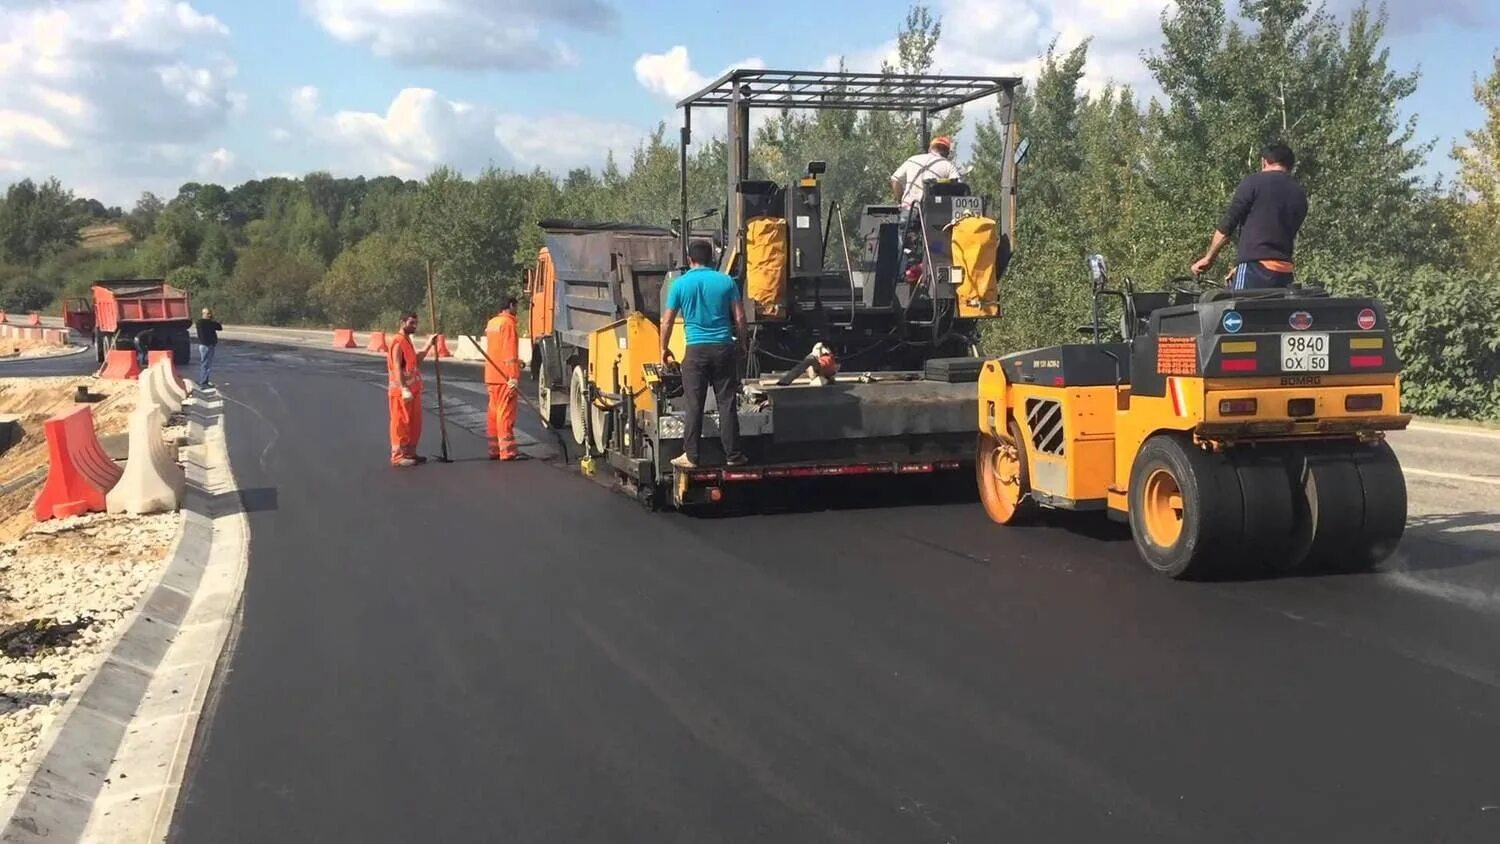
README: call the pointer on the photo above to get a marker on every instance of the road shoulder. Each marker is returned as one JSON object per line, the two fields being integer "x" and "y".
{"x": 112, "y": 763}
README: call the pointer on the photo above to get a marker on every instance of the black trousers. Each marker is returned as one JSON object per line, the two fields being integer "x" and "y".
{"x": 1252, "y": 276}
{"x": 704, "y": 366}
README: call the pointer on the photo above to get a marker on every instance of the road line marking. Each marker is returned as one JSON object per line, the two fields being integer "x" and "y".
{"x": 1450, "y": 476}
{"x": 1453, "y": 429}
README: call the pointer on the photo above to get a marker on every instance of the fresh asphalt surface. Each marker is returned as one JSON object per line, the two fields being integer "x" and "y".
{"x": 513, "y": 652}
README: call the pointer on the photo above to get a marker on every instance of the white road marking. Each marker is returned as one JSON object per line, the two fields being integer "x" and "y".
{"x": 1454, "y": 429}
{"x": 1451, "y": 476}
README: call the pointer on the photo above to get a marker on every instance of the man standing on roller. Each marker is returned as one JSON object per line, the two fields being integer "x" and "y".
{"x": 1268, "y": 209}
{"x": 404, "y": 388}
{"x": 502, "y": 374}
{"x": 713, "y": 316}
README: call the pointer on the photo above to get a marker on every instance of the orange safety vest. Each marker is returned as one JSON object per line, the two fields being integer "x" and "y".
{"x": 403, "y": 356}
{"x": 502, "y": 348}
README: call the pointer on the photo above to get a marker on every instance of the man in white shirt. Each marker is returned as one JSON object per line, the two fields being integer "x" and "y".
{"x": 911, "y": 179}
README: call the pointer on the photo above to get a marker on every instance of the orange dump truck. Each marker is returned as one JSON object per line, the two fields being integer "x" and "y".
{"x": 127, "y": 313}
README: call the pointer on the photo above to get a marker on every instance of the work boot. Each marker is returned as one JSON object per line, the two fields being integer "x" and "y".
{"x": 682, "y": 461}
{"x": 405, "y": 462}
{"x": 736, "y": 459}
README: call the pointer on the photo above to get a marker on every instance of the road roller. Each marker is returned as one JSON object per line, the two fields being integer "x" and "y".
{"x": 1235, "y": 431}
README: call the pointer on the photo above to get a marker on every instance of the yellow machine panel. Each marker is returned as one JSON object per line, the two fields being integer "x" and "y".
{"x": 619, "y": 352}
{"x": 975, "y": 244}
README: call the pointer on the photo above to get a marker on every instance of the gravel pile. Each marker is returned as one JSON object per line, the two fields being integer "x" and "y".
{"x": 95, "y": 566}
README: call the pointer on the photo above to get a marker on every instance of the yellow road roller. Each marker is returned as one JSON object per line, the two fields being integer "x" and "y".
{"x": 1235, "y": 431}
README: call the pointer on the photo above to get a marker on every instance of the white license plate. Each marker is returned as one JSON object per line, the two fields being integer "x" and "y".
{"x": 1304, "y": 352}
{"x": 968, "y": 203}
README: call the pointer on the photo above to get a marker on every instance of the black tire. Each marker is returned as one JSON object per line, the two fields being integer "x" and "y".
{"x": 1330, "y": 505}
{"x": 1383, "y": 488}
{"x": 182, "y": 349}
{"x": 553, "y": 415}
{"x": 1209, "y": 533}
{"x": 100, "y": 339}
{"x": 1270, "y": 512}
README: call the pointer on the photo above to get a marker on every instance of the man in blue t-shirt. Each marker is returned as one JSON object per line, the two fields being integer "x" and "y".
{"x": 713, "y": 316}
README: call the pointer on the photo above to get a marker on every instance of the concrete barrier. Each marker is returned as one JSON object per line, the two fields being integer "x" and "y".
{"x": 79, "y": 472}
{"x": 177, "y": 388}
{"x": 155, "y": 391}
{"x": 468, "y": 348}
{"x": 152, "y": 481}
{"x": 343, "y": 338}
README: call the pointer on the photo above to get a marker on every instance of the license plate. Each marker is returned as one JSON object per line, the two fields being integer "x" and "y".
{"x": 968, "y": 203}
{"x": 1304, "y": 352}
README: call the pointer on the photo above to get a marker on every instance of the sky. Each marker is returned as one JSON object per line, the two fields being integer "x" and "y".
{"x": 116, "y": 97}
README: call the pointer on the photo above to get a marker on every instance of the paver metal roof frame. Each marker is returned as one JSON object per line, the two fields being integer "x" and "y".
{"x": 740, "y": 90}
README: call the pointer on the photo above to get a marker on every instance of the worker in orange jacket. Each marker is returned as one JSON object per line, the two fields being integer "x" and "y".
{"x": 502, "y": 374}
{"x": 403, "y": 365}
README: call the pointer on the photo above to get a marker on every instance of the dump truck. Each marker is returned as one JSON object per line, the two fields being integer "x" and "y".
{"x": 1235, "y": 431}
{"x": 121, "y": 310}
{"x": 863, "y": 347}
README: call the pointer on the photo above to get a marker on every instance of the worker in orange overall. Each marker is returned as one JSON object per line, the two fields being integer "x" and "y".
{"x": 404, "y": 387}
{"x": 502, "y": 374}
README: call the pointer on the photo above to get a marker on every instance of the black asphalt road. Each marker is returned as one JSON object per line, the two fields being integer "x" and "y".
{"x": 483, "y": 652}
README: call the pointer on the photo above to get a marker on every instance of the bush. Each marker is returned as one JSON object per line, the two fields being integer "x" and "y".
{"x": 1447, "y": 334}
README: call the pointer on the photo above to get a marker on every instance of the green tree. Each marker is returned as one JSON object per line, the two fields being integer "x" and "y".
{"x": 35, "y": 220}
{"x": 1479, "y": 178}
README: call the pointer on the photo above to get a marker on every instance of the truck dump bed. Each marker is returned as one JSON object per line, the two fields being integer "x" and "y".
{"x": 138, "y": 300}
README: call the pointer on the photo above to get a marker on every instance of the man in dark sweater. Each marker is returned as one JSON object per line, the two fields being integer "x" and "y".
{"x": 208, "y": 342}
{"x": 1268, "y": 209}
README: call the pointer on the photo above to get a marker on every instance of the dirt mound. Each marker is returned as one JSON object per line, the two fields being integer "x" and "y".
{"x": 22, "y": 468}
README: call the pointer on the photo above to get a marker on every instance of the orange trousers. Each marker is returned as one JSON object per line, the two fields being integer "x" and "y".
{"x": 406, "y": 425}
{"x": 500, "y": 422}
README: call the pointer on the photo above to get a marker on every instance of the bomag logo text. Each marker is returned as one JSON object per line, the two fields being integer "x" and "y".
{"x": 1301, "y": 380}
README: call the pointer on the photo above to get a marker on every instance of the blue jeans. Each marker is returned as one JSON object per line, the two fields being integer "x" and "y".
{"x": 206, "y": 353}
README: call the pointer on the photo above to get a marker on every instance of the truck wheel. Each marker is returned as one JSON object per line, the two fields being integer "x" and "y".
{"x": 1001, "y": 470}
{"x": 99, "y": 341}
{"x": 182, "y": 349}
{"x": 1269, "y": 516}
{"x": 578, "y": 406}
{"x": 1330, "y": 506}
{"x": 553, "y": 415}
{"x": 1185, "y": 507}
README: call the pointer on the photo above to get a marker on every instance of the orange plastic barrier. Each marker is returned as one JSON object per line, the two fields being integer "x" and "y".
{"x": 377, "y": 342}
{"x": 3, "y": 318}
{"x": 153, "y": 358}
{"x": 79, "y": 473}
{"x": 34, "y": 319}
{"x": 442, "y": 347}
{"x": 121, "y": 364}
{"x": 343, "y": 338}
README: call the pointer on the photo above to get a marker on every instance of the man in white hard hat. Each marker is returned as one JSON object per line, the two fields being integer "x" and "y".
{"x": 911, "y": 179}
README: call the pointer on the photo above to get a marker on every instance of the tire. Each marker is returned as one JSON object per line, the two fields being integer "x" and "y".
{"x": 601, "y": 425}
{"x": 1381, "y": 499}
{"x": 578, "y": 407}
{"x": 1330, "y": 506}
{"x": 1003, "y": 474}
{"x": 1185, "y": 508}
{"x": 182, "y": 349}
{"x": 1270, "y": 514}
{"x": 553, "y": 415}
{"x": 99, "y": 341}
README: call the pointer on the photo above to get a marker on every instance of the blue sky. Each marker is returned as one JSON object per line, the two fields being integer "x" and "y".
{"x": 119, "y": 96}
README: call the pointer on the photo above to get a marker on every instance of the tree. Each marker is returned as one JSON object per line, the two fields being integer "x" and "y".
{"x": 36, "y": 219}
{"x": 1479, "y": 178}
{"x": 141, "y": 221}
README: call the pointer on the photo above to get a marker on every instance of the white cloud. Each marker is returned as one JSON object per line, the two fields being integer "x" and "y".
{"x": 219, "y": 165}
{"x": 671, "y": 74}
{"x": 94, "y": 90}
{"x": 421, "y": 130}
{"x": 468, "y": 34}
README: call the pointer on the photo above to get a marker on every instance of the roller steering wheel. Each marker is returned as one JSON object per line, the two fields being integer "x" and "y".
{"x": 1188, "y": 285}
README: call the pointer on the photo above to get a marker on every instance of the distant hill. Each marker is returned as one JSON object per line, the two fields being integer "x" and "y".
{"x": 103, "y": 235}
